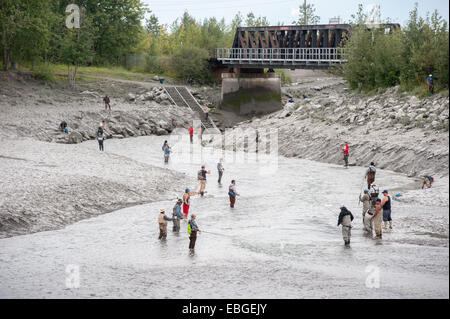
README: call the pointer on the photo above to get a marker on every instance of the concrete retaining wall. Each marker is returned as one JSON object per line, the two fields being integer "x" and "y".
{"x": 251, "y": 93}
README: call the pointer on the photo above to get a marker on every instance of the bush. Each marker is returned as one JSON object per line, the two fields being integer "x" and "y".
{"x": 44, "y": 72}
{"x": 405, "y": 57}
{"x": 285, "y": 77}
{"x": 190, "y": 65}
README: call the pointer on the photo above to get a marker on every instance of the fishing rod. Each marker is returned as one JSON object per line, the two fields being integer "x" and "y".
{"x": 213, "y": 233}
{"x": 360, "y": 192}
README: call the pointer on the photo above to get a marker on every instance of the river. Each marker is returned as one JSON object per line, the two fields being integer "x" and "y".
{"x": 280, "y": 241}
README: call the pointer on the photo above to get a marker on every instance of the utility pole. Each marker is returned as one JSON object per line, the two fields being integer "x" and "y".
{"x": 304, "y": 12}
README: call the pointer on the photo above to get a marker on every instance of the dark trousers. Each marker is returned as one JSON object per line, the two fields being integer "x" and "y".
{"x": 346, "y": 159}
{"x": 162, "y": 231}
{"x": 192, "y": 138}
{"x": 192, "y": 240}
{"x": 370, "y": 179}
{"x": 176, "y": 225}
{"x": 220, "y": 177}
{"x": 107, "y": 105}
{"x": 232, "y": 201}
{"x": 100, "y": 145}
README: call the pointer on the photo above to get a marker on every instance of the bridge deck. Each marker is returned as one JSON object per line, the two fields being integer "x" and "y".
{"x": 281, "y": 57}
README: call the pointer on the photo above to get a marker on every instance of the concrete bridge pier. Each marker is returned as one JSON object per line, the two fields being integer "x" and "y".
{"x": 251, "y": 91}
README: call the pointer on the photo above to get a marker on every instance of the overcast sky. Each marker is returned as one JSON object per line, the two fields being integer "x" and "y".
{"x": 287, "y": 10}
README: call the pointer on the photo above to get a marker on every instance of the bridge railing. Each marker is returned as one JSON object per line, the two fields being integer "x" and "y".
{"x": 281, "y": 55}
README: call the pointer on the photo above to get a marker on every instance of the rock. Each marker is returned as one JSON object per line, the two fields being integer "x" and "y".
{"x": 161, "y": 131}
{"x": 131, "y": 97}
{"x": 156, "y": 78}
{"x": 75, "y": 138}
{"x": 148, "y": 96}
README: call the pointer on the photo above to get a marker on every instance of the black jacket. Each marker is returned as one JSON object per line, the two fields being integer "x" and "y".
{"x": 344, "y": 212}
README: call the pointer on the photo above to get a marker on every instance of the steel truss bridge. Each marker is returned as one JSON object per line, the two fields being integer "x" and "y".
{"x": 302, "y": 46}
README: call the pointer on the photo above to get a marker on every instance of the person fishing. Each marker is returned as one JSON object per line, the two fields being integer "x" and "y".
{"x": 220, "y": 170}
{"x": 430, "y": 83}
{"x": 365, "y": 199}
{"x": 192, "y": 231}
{"x": 201, "y": 176}
{"x": 106, "y": 102}
{"x": 427, "y": 181}
{"x": 232, "y": 193}
{"x": 345, "y": 219}
{"x": 345, "y": 151}
{"x": 386, "y": 205}
{"x": 100, "y": 139}
{"x": 187, "y": 202}
{"x": 101, "y": 127}
{"x": 191, "y": 134}
{"x": 377, "y": 218}
{"x": 370, "y": 174}
{"x": 166, "y": 149}
{"x": 162, "y": 221}
{"x": 177, "y": 215}
{"x": 174, "y": 123}
{"x": 63, "y": 127}
{"x": 257, "y": 141}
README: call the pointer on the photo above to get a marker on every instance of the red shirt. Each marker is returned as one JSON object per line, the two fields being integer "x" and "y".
{"x": 191, "y": 131}
{"x": 346, "y": 149}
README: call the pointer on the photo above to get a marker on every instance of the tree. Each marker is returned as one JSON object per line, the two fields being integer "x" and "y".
{"x": 153, "y": 25}
{"x": 190, "y": 64}
{"x": 403, "y": 56}
{"x": 252, "y": 21}
{"x": 307, "y": 15}
{"x": 78, "y": 46}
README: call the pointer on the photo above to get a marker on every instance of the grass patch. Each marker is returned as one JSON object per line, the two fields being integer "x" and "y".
{"x": 112, "y": 72}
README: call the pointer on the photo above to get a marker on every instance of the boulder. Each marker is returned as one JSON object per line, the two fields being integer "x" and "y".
{"x": 131, "y": 97}
{"x": 161, "y": 131}
{"x": 148, "y": 96}
{"x": 75, "y": 138}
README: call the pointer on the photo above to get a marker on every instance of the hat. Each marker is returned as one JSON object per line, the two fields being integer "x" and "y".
{"x": 378, "y": 200}
{"x": 430, "y": 75}
{"x": 187, "y": 190}
{"x": 366, "y": 190}
{"x": 162, "y": 210}
{"x": 342, "y": 206}
{"x": 385, "y": 191}
{"x": 179, "y": 200}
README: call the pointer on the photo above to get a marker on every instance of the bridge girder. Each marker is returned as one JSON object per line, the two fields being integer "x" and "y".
{"x": 298, "y": 36}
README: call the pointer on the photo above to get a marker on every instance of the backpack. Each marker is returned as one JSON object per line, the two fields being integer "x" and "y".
{"x": 231, "y": 193}
{"x": 189, "y": 230}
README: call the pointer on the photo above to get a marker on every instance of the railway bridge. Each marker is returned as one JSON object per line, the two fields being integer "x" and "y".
{"x": 249, "y": 83}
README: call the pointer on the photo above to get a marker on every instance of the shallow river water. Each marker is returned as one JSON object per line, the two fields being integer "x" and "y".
{"x": 280, "y": 241}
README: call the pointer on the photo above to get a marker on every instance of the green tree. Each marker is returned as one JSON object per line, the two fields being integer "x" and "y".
{"x": 153, "y": 26}
{"x": 190, "y": 65}
{"x": 77, "y": 46}
{"x": 307, "y": 15}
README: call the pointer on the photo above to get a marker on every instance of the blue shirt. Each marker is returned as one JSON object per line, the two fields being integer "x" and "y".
{"x": 166, "y": 150}
{"x": 219, "y": 167}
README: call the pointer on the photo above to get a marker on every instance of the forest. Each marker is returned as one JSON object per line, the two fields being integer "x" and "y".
{"x": 36, "y": 34}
